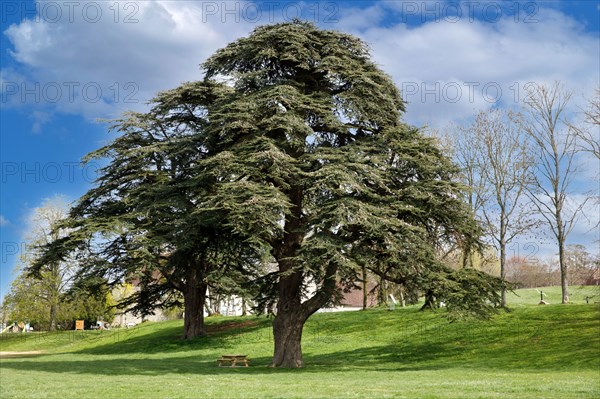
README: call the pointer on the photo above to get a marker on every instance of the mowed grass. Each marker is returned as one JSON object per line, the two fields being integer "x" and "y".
{"x": 553, "y": 295}
{"x": 530, "y": 352}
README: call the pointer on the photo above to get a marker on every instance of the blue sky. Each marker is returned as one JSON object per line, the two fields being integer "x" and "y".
{"x": 63, "y": 64}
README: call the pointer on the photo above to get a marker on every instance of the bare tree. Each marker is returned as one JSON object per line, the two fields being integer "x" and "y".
{"x": 555, "y": 146}
{"x": 588, "y": 142}
{"x": 589, "y": 137}
{"x": 582, "y": 264}
{"x": 504, "y": 164}
{"x": 54, "y": 278}
{"x": 467, "y": 155}
{"x": 526, "y": 274}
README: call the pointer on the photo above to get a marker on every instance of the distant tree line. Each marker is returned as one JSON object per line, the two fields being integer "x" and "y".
{"x": 584, "y": 269}
{"x": 53, "y": 299}
{"x": 520, "y": 167}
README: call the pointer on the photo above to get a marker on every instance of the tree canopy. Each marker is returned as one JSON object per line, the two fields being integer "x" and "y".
{"x": 288, "y": 165}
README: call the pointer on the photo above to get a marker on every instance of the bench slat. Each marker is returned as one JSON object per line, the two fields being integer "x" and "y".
{"x": 233, "y": 360}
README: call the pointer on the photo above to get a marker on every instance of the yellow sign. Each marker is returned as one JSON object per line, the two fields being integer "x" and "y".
{"x": 78, "y": 324}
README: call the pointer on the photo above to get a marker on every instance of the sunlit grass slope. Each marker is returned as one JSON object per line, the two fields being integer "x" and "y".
{"x": 532, "y": 351}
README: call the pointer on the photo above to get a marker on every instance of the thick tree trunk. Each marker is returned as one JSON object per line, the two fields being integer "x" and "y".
{"x": 430, "y": 302}
{"x": 292, "y": 313}
{"x": 467, "y": 261}
{"x": 53, "y": 294}
{"x": 382, "y": 292}
{"x": 289, "y": 321}
{"x": 287, "y": 334}
{"x": 194, "y": 299}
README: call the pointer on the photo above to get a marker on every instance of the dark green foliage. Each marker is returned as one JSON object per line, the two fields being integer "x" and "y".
{"x": 312, "y": 138}
{"x": 289, "y": 166}
{"x": 27, "y": 302}
{"x": 318, "y": 168}
{"x": 144, "y": 215}
{"x": 91, "y": 301}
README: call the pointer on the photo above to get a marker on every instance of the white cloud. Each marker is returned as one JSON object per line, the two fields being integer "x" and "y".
{"x": 439, "y": 59}
{"x": 35, "y": 220}
{"x": 102, "y": 68}
{"x": 360, "y": 19}
{"x": 39, "y": 119}
{"x": 10, "y": 86}
{"x": 448, "y": 68}
{"x": 4, "y": 221}
{"x": 434, "y": 61}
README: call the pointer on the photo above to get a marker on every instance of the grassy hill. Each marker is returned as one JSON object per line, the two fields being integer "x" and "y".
{"x": 553, "y": 295}
{"x": 531, "y": 352}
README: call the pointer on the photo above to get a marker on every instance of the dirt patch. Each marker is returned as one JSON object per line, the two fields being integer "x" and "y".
{"x": 4, "y": 355}
{"x": 230, "y": 326}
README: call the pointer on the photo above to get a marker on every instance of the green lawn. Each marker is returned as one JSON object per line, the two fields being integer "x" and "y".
{"x": 553, "y": 295}
{"x": 531, "y": 352}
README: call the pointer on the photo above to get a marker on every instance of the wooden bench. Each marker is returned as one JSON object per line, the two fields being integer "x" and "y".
{"x": 233, "y": 360}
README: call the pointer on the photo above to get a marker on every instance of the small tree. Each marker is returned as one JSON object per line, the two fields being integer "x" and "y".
{"x": 91, "y": 303}
{"x": 26, "y": 301}
{"x": 52, "y": 279}
{"x": 555, "y": 147}
{"x": 502, "y": 162}
{"x": 582, "y": 264}
{"x": 466, "y": 148}
{"x": 46, "y": 295}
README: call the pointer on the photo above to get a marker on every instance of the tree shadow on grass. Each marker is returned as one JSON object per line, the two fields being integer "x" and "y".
{"x": 129, "y": 367}
{"x": 220, "y": 335}
{"x": 185, "y": 365}
{"x": 533, "y": 346}
{"x": 425, "y": 356}
{"x": 378, "y": 358}
{"x": 19, "y": 355}
{"x": 525, "y": 350}
{"x": 163, "y": 348}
